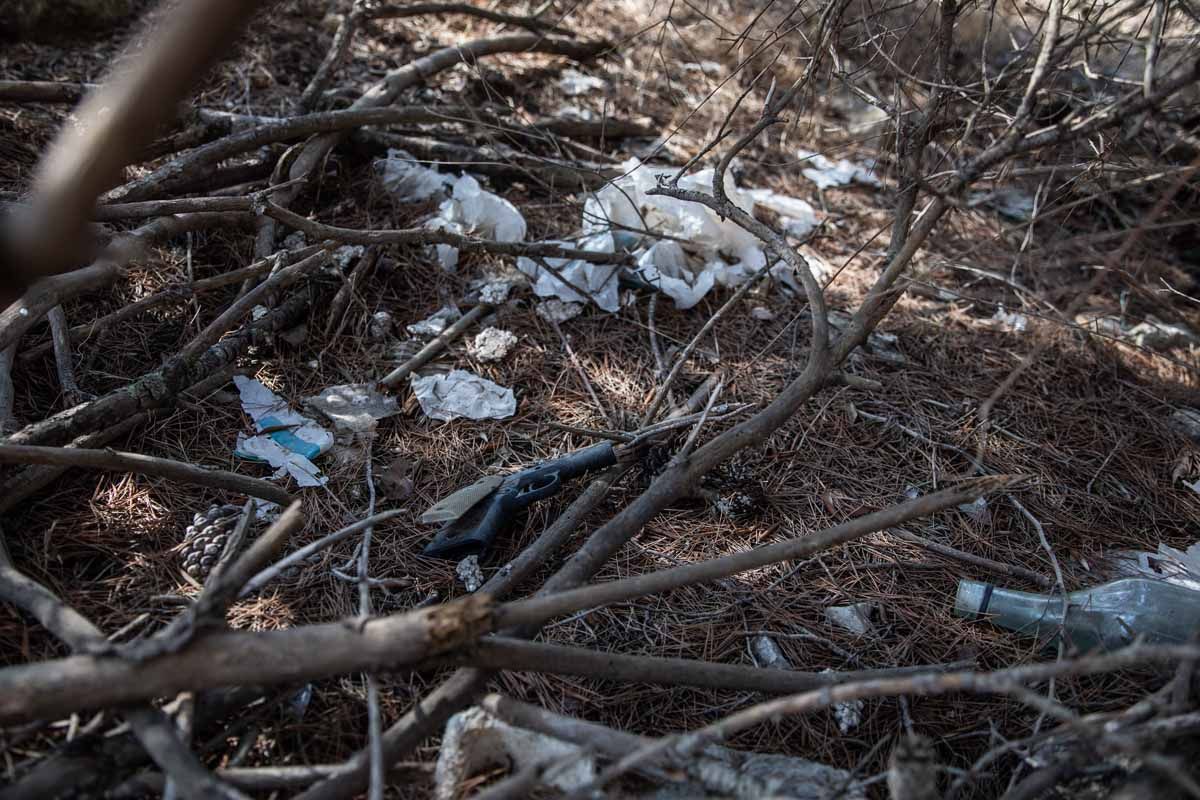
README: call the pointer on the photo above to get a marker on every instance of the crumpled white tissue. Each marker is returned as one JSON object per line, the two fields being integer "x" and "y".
{"x": 599, "y": 281}
{"x": 573, "y": 83}
{"x": 409, "y": 181}
{"x": 463, "y": 394}
{"x": 825, "y": 173}
{"x": 471, "y": 210}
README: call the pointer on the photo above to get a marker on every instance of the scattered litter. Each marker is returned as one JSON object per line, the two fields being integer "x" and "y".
{"x": 1181, "y": 568}
{"x": 266, "y": 511}
{"x": 345, "y": 254}
{"x": 558, "y": 311}
{"x": 258, "y": 312}
{"x": 493, "y": 344}
{"x": 855, "y": 618}
{"x": 475, "y": 740}
{"x": 1107, "y": 617}
{"x": 576, "y": 281}
{"x": 977, "y": 509}
{"x": 1159, "y": 335}
{"x": 290, "y": 449}
{"x": 496, "y": 292}
{"x": 880, "y": 344}
{"x": 796, "y": 216}
{"x": 767, "y": 653}
{"x": 394, "y": 482}
{"x": 435, "y": 323}
{"x": 1016, "y": 204}
{"x": 1011, "y": 321}
{"x": 825, "y": 173}
{"x": 707, "y": 67}
{"x": 848, "y": 714}
{"x": 471, "y": 210}
{"x": 354, "y": 406}
{"x": 469, "y": 573}
{"x": 463, "y": 394}
{"x": 380, "y": 327}
{"x": 762, "y": 313}
{"x": 575, "y": 114}
{"x": 911, "y": 492}
{"x": 409, "y": 181}
{"x": 667, "y": 267}
{"x": 1187, "y": 422}
{"x": 1152, "y": 332}
{"x": 574, "y": 83}
{"x": 295, "y": 241}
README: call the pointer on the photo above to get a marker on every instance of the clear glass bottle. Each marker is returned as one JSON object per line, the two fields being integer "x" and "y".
{"x": 1107, "y": 617}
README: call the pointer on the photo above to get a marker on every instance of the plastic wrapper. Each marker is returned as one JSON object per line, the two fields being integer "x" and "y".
{"x": 463, "y": 394}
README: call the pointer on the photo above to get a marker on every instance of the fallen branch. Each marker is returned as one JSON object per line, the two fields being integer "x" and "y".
{"x": 43, "y": 91}
{"x": 21, "y": 487}
{"x": 161, "y": 388}
{"x": 226, "y": 658}
{"x": 115, "y": 123}
{"x": 518, "y": 655}
{"x": 113, "y": 461}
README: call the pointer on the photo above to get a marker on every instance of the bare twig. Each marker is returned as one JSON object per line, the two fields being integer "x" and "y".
{"x": 436, "y": 345}
{"x": 112, "y": 460}
{"x": 116, "y": 122}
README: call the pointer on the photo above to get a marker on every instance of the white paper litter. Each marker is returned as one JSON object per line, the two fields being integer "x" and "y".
{"x": 767, "y": 653}
{"x": 1009, "y": 320}
{"x": 493, "y": 344}
{"x": 825, "y": 173}
{"x": 469, "y": 573}
{"x": 345, "y": 254}
{"x": 435, "y": 323}
{"x": 474, "y": 211}
{"x": 1179, "y": 567}
{"x": 354, "y": 406}
{"x": 258, "y": 312}
{"x": 762, "y": 314}
{"x": 409, "y": 181}
{"x": 380, "y": 327}
{"x": 855, "y": 618}
{"x": 463, "y": 394}
{"x": 572, "y": 82}
{"x": 595, "y": 282}
{"x": 796, "y": 216}
{"x": 558, "y": 311}
{"x": 977, "y": 509}
{"x": 702, "y": 250}
{"x": 289, "y": 451}
{"x": 495, "y": 292}
{"x": 475, "y": 740}
{"x": 295, "y": 240}
{"x": 707, "y": 67}
{"x": 848, "y": 714}
{"x": 575, "y": 114}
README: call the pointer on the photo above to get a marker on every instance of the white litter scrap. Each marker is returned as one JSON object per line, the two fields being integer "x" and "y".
{"x": 435, "y": 323}
{"x": 575, "y": 114}
{"x": 469, "y": 572}
{"x": 380, "y": 327}
{"x": 848, "y": 714}
{"x": 1179, "y": 567}
{"x": 694, "y": 251}
{"x": 767, "y": 653}
{"x": 354, "y": 406}
{"x": 493, "y": 344}
{"x": 471, "y": 210}
{"x": 558, "y": 311}
{"x": 1011, "y": 321}
{"x": 463, "y": 394}
{"x": 475, "y": 740}
{"x": 796, "y": 216}
{"x": 290, "y": 449}
{"x": 825, "y": 173}
{"x": 345, "y": 254}
{"x": 576, "y": 281}
{"x": 574, "y": 83}
{"x": 855, "y": 618}
{"x": 408, "y": 180}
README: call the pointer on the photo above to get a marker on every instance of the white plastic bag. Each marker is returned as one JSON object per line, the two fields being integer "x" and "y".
{"x": 599, "y": 281}
{"x": 409, "y": 181}
{"x": 471, "y": 210}
{"x": 825, "y": 173}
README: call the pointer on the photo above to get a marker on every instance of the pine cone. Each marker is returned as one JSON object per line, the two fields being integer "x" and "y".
{"x": 205, "y": 538}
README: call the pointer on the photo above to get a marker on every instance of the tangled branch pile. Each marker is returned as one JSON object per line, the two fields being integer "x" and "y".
{"x": 870, "y": 299}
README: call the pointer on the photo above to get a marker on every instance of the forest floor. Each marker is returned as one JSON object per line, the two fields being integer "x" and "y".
{"x": 1090, "y": 420}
